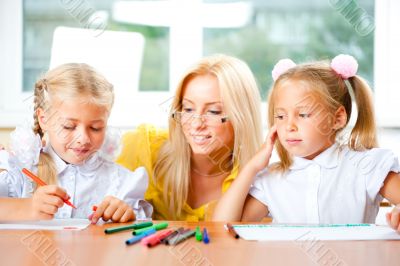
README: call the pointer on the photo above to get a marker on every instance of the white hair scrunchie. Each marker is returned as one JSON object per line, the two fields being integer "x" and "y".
{"x": 25, "y": 146}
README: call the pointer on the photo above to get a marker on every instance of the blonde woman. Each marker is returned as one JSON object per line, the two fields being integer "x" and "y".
{"x": 214, "y": 129}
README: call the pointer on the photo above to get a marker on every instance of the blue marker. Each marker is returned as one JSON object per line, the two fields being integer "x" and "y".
{"x": 206, "y": 239}
{"x": 137, "y": 238}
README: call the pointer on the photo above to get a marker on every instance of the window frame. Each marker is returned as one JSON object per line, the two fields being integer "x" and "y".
{"x": 386, "y": 63}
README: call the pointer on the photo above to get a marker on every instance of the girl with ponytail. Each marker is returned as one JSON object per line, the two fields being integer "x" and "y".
{"x": 324, "y": 175}
{"x": 72, "y": 103}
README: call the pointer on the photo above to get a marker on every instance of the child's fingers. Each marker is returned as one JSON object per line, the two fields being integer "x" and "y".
{"x": 129, "y": 215}
{"x": 394, "y": 219}
{"x": 100, "y": 211}
{"x": 116, "y": 217}
{"x": 273, "y": 133}
{"x": 43, "y": 216}
{"x": 109, "y": 212}
{"x": 56, "y": 191}
{"x": 54, "y": 201}
{"x": 388, "y": 217}
{"x": 48, "y": 209}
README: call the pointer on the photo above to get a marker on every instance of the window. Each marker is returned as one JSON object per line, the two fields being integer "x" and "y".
{"x": 259, "y": 32}
{"x": 300, "y": 30}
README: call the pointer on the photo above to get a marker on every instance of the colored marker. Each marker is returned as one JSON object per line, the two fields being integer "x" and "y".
{"x": 206, "y": 239}
{"x": 127, "y": 227}
{"x": 198, "y": 235}
{"x": 174, "y": 233}
{"x": 173, "y": 238}
{"x": 158, "y": 227}
{"x": 182, "y": 237}
{"x": 232, "y": 230}
{"x": 40, "y": 182}
{"x": 137, "y": 238}
{"x": 156, "y": 239}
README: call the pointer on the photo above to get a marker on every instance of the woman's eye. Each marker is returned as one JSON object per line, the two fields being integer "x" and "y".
{"x": 97, "y": 129}
{"x": 279, "y": 117}
{"x": 214, "y": 112}
{"x": 187, "y": 110}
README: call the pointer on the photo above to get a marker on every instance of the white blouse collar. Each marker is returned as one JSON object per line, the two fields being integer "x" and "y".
{"x": 327, "y": 159}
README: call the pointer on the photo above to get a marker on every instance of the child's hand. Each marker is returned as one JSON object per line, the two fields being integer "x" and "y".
{"x": 114, "y": 209}
{"x": 393, "y": 218}
{"x": 261, "y": 159}
{"x": 45, "y": 202}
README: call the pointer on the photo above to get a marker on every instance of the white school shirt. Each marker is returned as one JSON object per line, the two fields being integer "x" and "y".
{"x": 338, "y": 186}
{"x": 87, "y": 185}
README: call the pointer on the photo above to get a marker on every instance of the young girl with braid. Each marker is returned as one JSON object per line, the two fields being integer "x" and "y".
{"x": 319, "y": 179}
{"x": 72, "y": 104}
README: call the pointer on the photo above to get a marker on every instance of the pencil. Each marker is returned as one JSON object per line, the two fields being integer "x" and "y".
{"x": 40, "y": 182}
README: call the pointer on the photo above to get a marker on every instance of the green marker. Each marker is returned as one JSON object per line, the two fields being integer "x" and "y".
{"x": 127, "y": 227}
{"x": 198, "y": 234}
{"x": 158, "y": 226}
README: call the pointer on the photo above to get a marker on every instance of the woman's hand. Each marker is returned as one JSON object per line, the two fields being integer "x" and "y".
{"x": 393, "y": 218}
{"x": 46, "y": 201}
{"x": 261, "y": 159}
{"x": 114, "y": 209}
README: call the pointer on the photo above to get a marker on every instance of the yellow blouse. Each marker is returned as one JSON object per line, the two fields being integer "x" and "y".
{"x": 140, "y": 148}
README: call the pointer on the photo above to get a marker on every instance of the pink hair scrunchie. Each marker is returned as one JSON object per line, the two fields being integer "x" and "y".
{"x": 344, "y": 65}
{"x": 281, "y": 67}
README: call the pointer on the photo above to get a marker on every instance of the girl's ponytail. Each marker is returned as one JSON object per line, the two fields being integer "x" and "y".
{"x": 363, "y": 135}
{"x": 46, "y": 166}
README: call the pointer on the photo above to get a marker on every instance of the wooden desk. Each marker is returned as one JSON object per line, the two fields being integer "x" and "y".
{"x": 93, "y": 247}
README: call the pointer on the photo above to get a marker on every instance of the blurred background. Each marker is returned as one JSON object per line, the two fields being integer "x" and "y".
{"x": 170, "y": 35}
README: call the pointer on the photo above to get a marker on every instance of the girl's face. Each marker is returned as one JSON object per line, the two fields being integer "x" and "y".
{"x": 75, "y": 128}
{"x": 305, "y": 127}
{"x": 202, "y": 111}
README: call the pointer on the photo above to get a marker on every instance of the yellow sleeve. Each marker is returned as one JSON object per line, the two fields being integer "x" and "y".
{"x": 140, "y": 148}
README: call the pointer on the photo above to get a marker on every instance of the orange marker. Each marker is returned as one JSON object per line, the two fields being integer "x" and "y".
{"x": 40, "y": 182}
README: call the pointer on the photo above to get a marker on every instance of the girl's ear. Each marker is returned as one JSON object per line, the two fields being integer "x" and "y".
{"x": 340, "y": 118}
{"x": 42, "y": 119}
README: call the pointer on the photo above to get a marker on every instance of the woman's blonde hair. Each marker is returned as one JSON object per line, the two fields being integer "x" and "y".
{"x": 332, "y": 92}
{"x": 241, "y": 101}
{"x": 66, "y": 82}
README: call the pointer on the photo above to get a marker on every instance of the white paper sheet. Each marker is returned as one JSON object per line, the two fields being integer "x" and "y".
{"x": 55, "y": 224}
{"x": 315, "y": 232}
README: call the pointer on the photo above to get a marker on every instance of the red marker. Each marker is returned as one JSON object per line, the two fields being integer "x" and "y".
{"x": 40, "y": 182}
{"x": 155, "y": 239}
{"x": 232, "y": 231}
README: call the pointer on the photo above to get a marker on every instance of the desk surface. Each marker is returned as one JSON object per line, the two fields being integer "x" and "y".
{"x": 92, "y": 247}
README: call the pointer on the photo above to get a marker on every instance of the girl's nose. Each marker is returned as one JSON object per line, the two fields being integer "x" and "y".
{"x": 83, "y": 137}
{"x": 291, "y": 125}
